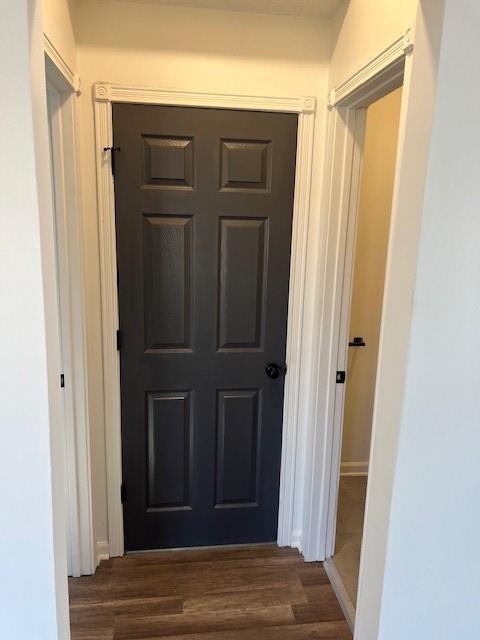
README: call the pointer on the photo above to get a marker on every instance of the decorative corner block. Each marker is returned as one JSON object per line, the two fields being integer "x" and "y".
{"x": 408, "y": 41}
{"x": 308, "y": 105}
{"x": 102, "y": 92}
{"x": 77, "y": 84}
{"x": 331, "y": 99}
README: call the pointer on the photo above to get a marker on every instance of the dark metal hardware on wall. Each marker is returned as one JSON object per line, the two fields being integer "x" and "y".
{"x": 119, "y": 339}
{"x": 357, "y": 342}
{"x": 340, "y": 377}
{"x": 112, "y": 158}
{"x": 62, "y": 380}
{"x": 274, "y": 370}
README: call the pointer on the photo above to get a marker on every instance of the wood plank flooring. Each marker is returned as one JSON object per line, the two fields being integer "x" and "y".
{"x": 248, "y": 593}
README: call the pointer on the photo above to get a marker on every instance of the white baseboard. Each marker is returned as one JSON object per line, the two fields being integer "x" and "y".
{"x": 341, "y": 593}
{"x": 102, "y": 552}
{"x": 354, "y": 468}
{"x": 296, "y": 541}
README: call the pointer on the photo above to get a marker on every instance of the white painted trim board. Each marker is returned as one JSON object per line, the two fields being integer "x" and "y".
{"x": 379, "y": 64}
{"x": 340, "y": 591}
{"x": 69, "y": 239}
{"x": 102, "y": 551}
{"x": 343, "y": 162}
{"x": 63, "y": 68}
{"x": 354, "y": 468}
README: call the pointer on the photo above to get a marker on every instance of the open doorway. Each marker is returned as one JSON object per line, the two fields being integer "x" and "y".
{"x": 362, "y": 309}
{"x": 71, "y": 318}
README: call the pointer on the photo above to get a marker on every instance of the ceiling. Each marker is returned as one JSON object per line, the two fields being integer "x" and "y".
{"x": 303, "y": 8}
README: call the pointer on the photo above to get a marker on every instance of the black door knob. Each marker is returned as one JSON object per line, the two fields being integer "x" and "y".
{"x": 274, "y": 370}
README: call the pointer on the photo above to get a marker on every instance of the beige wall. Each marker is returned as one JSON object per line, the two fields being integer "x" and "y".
{"x": 193, "y": 50}
{"x": 369, "y": 273}
{"x": 58, "y": 26}
{"x": 364, "y": 28}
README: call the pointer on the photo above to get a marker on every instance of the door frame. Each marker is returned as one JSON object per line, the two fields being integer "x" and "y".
{"x": 345, "y": 136}
{"x": 294, "y": 401}
{"x": 62, "y": 87}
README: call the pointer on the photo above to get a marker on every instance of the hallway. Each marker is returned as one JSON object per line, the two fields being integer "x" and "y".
{"x": 246, "y": 593}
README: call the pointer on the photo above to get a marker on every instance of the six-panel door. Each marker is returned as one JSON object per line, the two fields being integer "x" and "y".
{"x": 204, "y": 201}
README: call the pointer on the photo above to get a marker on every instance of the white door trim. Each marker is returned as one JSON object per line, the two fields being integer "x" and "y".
{"x": 62, "y": 67}
{"x": 69, "y": 238}
{"x": 345, "y": 133}
{"x": 354, "y": 88}
{"x": 103, "y": 95}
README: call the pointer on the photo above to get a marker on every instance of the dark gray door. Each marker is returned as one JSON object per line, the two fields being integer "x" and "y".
{"x": 204, "y": 201}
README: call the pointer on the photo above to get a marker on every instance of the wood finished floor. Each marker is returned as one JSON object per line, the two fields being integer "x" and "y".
{"x": 254, "y": 593}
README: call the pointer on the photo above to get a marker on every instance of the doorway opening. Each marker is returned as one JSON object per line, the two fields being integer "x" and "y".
{"x": 361, "y": 312}
{"x": 71, "y": 318}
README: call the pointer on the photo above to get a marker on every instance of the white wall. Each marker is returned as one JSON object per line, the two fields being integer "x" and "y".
{"x": 373, "y": 224}
{"x": 418, "y": 104}
{"x": 33, "y": 588}
{"x": 193, "y": 50}
{"x": 432, "y": 580}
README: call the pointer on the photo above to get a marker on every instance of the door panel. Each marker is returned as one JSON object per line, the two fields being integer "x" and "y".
{"x": 169, "y": 450}
{"x": 238, "y": 425}
{"x": 246, "y": 165}
{"x": 204, "y": 201}
{"x": 167, "y": 268}
{"x": 242, "y": 277}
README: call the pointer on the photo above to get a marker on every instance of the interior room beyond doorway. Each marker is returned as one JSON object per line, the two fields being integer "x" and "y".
{"x": 372, "y": 232}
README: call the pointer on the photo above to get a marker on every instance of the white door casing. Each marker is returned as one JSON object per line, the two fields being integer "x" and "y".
{"x": 103, "y": 95}
{"x": 69, "y": 240}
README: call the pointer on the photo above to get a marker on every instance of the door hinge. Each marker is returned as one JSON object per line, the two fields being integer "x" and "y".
{"x": 123, "y": 492}
{"x": 340, "y": 378}
{"x": 119, "y": 339}
{"x": 112, "y": 157}
{"x": 62, "y": 380}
